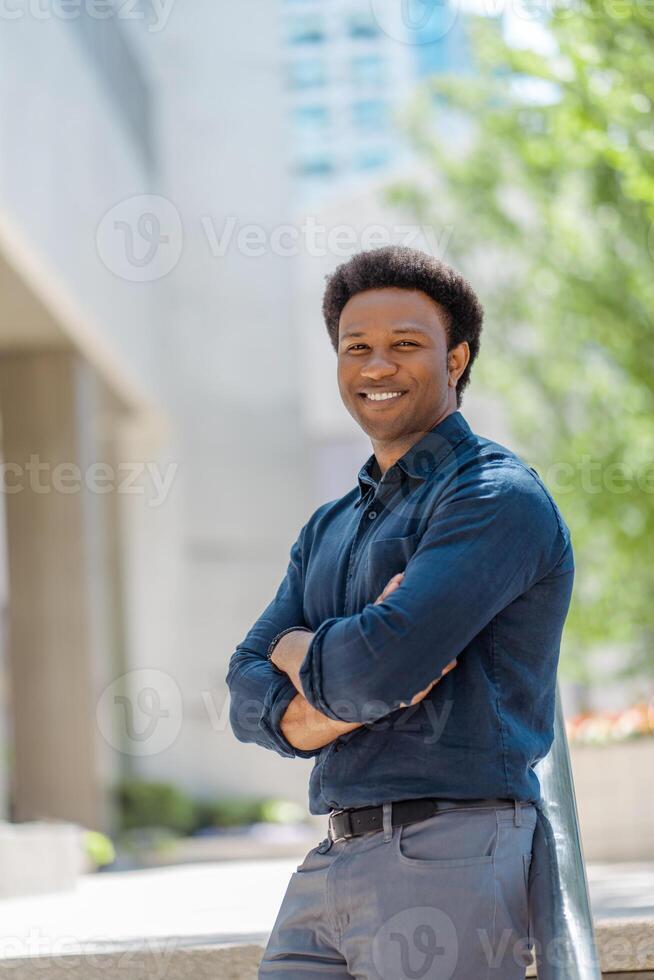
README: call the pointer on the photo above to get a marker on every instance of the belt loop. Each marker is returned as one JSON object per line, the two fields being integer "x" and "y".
{"x": 387, "y": 809}
{"x": 517, "y": 816}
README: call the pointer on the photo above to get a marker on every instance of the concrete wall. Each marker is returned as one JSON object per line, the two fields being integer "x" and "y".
{"x": 230, "y": 366}
{"x": 67, "y": 158}
{"x": 614, "y": 785}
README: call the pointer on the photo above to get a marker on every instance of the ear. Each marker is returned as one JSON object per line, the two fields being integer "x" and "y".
{"x": 457, "y": 362}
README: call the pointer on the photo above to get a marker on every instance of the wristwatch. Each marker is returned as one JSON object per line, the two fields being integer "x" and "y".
{"x": 275, "y": 640}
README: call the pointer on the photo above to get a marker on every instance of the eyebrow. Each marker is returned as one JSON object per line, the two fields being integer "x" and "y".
{"x": 362, "y": 333}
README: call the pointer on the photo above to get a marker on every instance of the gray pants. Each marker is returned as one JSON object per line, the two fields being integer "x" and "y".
{"x": 440, "y": 899}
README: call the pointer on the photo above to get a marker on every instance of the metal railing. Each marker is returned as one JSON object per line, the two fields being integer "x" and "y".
{"x": 562, "y": 922}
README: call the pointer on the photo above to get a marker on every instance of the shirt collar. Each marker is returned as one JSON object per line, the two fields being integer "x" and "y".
{"x": 425, "y": 455}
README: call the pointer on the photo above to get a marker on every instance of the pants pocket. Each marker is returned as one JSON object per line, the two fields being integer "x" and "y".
{"x": 435, "y": 918}
{"x": 451, "y": 839}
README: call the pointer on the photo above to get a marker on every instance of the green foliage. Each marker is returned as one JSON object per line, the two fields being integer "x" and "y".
{"x": 229, "y": 812}
{"x": 154, "y": 804}
{"x": 236, "y": 811}
{"x": 282, "y": 811}
{"x": 144, "y": 805}
{"x": 550, "y": 198}
{"x": 99, "y": 848}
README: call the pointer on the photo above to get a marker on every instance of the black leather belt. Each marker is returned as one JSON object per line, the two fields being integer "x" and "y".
{"x": 353, "y": 821}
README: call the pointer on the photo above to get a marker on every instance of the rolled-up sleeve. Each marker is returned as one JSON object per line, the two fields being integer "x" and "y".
{"x": 488, "y": 540}
{"x": 259, "y": 692}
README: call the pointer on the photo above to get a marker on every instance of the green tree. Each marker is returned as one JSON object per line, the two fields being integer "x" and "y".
{"x": 542, "y": 165}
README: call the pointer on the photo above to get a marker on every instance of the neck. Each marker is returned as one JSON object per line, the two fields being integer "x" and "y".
{"x": 388, "y": 452}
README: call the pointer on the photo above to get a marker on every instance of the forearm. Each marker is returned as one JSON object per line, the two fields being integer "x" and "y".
{"x": 307, "y": 728}
{"x": 259, "y": 696}
{"x": 312, "y": 721}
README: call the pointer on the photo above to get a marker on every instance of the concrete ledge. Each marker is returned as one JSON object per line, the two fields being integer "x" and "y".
{"x": 266, "y": 843}
{"x": 626, "y": 952}
{"x": 626, "y": 948}
{"x": 39, "y": 856}
{"x": 162, "y": 962}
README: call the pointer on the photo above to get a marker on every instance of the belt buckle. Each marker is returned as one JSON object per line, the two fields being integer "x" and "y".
{"x": 330, "y": 825}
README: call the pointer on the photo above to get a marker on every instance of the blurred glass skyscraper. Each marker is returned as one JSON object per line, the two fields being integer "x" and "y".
{"x": 350, "y": 67}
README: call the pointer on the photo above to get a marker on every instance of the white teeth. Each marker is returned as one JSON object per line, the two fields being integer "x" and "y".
{"x": 385, "y": 394}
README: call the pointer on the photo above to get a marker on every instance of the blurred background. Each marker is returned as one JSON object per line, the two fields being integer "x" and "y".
{"x": 177, "y": 177}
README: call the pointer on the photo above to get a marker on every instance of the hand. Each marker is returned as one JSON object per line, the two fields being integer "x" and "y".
{"x": 392, "y": 584}
{"x": 421, "y": 694}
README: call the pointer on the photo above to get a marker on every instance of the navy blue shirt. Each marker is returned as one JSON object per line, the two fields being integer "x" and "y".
{"x": 488, "y": 573}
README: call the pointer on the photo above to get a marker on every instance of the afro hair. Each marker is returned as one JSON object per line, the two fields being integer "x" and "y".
{"x": 408, "y": 268}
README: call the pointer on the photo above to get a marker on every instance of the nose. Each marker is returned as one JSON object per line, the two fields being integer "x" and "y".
{"x": 377, "y": 367}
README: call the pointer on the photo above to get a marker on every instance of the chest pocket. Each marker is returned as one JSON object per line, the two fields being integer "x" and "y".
{"x": 386, "y": 557}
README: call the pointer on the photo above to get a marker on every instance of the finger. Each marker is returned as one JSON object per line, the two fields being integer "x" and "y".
{"x": 422, "y": 694}
{"x": 390, "y": 586}
{"x": 394, "y": 582}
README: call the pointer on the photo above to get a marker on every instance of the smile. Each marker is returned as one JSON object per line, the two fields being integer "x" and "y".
{"x": 381, "y": 396}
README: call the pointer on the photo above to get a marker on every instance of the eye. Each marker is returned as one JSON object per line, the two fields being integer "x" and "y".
{"x": 411, "y": 343}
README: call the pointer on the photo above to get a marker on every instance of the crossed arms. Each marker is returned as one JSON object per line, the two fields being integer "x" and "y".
{"x": 284, "y": 721}
{"x": 303, "y": 725}
{"x": 486, "y": 543}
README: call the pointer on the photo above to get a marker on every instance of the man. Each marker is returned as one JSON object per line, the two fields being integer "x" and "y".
{"x": 420, "y": 619}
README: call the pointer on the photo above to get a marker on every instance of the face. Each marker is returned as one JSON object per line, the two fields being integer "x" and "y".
{"x": 395, "y": 340}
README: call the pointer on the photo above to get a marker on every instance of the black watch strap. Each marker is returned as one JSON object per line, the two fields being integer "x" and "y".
{"x": 275, "y": 640}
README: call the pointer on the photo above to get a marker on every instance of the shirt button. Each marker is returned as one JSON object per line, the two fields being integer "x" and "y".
{"x": 372, "y": 514}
